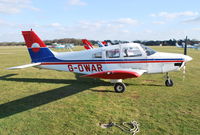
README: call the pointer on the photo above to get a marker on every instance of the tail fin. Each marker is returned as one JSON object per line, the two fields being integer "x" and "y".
{"x": 87, "y": 45}
{"x": 38, "y": 51}
{"x": 100, "y": 44}
{"x": 177, "y": 45}
{"x": 104, "y": 43}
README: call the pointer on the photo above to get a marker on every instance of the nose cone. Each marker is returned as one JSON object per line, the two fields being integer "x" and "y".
{"x": 187, "y": 58}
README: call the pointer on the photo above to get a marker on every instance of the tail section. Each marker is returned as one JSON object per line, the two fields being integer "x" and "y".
{"x": 100, "y": 44}
{"x": 38, "y": 51}
{"x": 177, "y": 45}
{"x": 104, "y": 43}
{"x": 87, "y": 45}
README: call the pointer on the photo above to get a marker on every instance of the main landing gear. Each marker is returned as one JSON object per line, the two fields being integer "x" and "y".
{"x": 119, "y": 86}
{"x": 168, "y": 82}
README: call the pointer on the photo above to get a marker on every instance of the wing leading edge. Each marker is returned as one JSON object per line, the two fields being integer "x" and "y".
{"x": 117, "y": 74}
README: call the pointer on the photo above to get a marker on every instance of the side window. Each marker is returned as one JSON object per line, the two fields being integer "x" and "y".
{"x": 97, "y": 55}
{"x": 114, "y": 53}
{"x": 131, "y": 52}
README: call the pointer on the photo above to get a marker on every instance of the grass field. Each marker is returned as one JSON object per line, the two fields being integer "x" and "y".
{"x": 45, "y": 102}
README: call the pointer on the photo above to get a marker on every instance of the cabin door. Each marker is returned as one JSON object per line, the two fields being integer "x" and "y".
{"x": 133, "y": 58}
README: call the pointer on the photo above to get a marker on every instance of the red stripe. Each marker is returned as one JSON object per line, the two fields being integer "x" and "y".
{"x": 114, "y": 62}
{"x": 38, "y": 47}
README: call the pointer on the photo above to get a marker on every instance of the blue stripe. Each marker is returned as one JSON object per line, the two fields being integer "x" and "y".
{"x": 45, "y": 55}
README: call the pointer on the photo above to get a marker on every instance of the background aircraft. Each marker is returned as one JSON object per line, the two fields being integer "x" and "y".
{"x": 185, "y": 45}
{"x": 87, "y": 44}
{"x": 61, "y": 46}
{"x": 197, "y": 46}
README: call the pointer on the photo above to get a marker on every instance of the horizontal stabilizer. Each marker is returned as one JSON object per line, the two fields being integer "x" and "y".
{"x": 24, "y": 66}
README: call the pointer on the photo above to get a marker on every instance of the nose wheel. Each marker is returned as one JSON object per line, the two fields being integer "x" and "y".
{"x": 168, "y": 82}
{"x": 119, "y": 87}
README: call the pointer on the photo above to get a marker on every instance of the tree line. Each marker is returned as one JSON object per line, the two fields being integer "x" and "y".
{"x": 171, "y": 42}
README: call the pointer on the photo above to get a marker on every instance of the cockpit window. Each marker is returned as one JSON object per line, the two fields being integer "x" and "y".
{"x": 114, "y": 53}
{"x": 148, "y": 50}
{"x": 97, "y": 55}
{"x": 131, "y": 52}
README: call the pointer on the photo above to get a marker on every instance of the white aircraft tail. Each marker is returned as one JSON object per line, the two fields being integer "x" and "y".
{"x": 177, "y": 45}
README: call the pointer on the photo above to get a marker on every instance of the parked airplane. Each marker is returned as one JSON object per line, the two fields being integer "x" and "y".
{"x": 179, "y": 46}
{"x": 57, "y": 46}
{"x": 197, "y": 46}
{"x": 183, "y": 46}
{"x": 115, "y": 62}
{"x": 87, "y": 44}
{"x": 103, "y": 44}
{"x": 61, "y": 46}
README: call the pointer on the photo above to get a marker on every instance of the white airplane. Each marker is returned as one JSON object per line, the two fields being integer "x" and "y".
{"x": 183, "y": 46}
{"x": 197, "y": 46}
{"x": 103, "y": 44}
{"x": 61, "y": 46}
{"x": 179, "y": 46}
{"x": 115, "y": 62}
{"x": 57, "y": 46}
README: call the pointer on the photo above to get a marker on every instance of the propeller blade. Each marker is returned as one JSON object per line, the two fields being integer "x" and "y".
{"x": 185, "y": 53}
{"x": 185, "y": 47}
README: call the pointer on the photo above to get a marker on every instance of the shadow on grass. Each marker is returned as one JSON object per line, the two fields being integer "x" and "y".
{"x": 103, "y": 91}
{"x": 73, "y": 87}
{"x": 32, "y": 101}
{"x": 143, "y": 84}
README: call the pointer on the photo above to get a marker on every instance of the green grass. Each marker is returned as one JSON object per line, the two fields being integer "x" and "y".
{"x": 46, "y": 102}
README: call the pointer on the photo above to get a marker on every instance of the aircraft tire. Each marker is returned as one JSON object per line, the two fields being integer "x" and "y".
{"x": 119, "y": 87}
{"x": 169, "y": 83}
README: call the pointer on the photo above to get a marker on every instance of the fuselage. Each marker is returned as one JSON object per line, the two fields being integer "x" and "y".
{"x": 116, "y": 57}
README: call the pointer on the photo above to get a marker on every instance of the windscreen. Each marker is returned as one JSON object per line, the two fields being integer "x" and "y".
{"x": 148, "y": 50}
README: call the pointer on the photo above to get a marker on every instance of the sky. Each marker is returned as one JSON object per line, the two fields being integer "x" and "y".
{"x": 100, "y": 19}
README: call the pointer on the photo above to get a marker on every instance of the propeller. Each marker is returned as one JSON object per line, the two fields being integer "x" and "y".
{"x": 185, "y": 53}
{"x": 185, "y": 47}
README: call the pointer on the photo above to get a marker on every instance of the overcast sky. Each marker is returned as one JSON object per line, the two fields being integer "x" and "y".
{"x": 100, "y": 19}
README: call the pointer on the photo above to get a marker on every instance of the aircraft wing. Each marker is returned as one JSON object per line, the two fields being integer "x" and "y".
{"x": 24, "y": 66}
{"x": 117, "y": 74}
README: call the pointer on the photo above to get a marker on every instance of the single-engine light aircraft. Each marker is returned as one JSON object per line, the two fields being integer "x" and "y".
{"x": 115, "y": 62}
